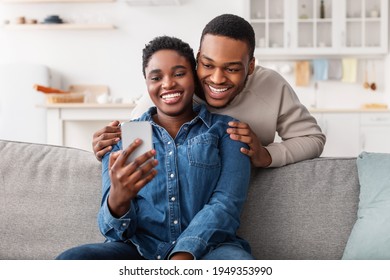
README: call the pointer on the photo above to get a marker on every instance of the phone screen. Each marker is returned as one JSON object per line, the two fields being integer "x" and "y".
{"x": 133, "y": 130}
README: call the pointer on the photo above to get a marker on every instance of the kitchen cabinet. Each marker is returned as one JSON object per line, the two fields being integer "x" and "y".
{"x": 314, "y": 30}
{"x": 73, "y": 124}
{"x": 365, "y": 25}
{"x": 375, "y": 132}
{"x": 348, "y": 132}
{"x": 351, "y": 132}
{"x": 297, "y": 27}
{"x": 342, "y": 133}
{"x": 270, "y": 20}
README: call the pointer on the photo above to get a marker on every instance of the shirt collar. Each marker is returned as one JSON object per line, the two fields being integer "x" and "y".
{"x": 203, "y": 114}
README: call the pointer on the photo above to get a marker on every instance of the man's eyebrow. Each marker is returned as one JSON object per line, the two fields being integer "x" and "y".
{"x": 206, "y": 57}
{"x": 225, "y": 64}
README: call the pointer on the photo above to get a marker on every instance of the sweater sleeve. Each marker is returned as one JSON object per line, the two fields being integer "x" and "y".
{"x": 302, "y": 137}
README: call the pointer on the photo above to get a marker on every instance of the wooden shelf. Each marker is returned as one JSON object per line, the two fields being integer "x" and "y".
{"x": 62, "y": 26}
{"x": 55, "y": 1}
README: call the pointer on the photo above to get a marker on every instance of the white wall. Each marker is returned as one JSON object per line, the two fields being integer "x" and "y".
{"x": 111, "y": 57}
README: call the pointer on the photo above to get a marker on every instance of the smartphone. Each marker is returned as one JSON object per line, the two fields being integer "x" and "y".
{"x": 133, "y": 130}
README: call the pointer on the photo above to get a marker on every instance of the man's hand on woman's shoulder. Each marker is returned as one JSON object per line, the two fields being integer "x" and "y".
{"x": 104, "y": 138}
{"x": 242, "y": 132}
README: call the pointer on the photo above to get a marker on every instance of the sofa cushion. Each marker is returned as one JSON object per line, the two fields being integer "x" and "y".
{"x": 49, "y": 200}
{"x": 304, "y": 210}
{"x": 370, "y": 237}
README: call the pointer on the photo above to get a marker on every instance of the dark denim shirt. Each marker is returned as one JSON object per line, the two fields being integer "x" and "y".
{"x": 195, "y": 201}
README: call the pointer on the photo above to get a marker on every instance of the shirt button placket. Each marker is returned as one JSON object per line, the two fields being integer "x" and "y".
{"x": 171, "y": 186}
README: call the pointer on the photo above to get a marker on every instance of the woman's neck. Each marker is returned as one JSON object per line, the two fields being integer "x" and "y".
{"x": 172, "y": 124}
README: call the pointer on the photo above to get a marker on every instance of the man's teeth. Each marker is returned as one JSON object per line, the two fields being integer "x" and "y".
{"x": 170, "y": 95}
{"x": 218, "y": 89}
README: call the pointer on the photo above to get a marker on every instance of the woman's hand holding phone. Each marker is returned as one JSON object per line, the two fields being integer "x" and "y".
{"x": 127, "y": 179}
{"x": 137, "y": 130}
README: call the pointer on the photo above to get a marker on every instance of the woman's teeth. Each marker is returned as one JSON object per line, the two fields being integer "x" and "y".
{"x": 170, "y": 95}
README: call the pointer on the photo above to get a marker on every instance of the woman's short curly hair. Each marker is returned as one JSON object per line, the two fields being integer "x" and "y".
{"x": 168, "y": 43}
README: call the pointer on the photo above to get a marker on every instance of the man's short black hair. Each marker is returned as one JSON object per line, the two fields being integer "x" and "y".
{"x": 234, "y": 27}
{"x": 167, "y": 43}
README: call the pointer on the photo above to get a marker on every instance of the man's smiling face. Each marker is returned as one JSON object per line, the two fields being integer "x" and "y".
{"x": 223, "y": 68}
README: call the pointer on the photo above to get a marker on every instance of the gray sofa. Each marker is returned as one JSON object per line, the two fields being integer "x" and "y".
{"x": 50, "y": 197}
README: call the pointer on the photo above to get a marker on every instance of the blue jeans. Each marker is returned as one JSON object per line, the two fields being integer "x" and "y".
{"x": 127, "y": 251}
{"x": 102, "y": 251}
{"x": 228, "y": 252}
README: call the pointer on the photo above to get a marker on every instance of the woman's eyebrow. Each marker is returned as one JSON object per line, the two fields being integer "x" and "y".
{"x": 154, "y": 71}
{"x": 157, "y": 71}
{"x": 178, "y": 67}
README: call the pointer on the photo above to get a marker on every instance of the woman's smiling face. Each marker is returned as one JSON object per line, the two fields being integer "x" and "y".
{"x": 170, "y": 82}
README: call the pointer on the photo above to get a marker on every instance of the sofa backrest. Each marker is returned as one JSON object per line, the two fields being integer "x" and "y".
{"x": 304, "y": 210}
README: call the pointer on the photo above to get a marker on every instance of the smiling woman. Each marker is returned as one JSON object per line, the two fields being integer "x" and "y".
{"x": 170, "y": 83}
{"x": 186, "y": 203}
